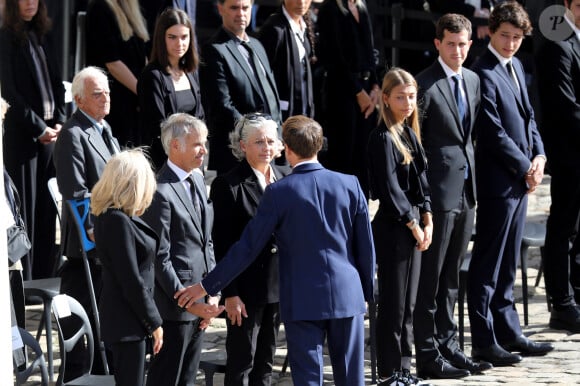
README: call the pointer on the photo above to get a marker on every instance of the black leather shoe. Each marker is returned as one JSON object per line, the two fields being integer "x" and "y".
{"x": 528, "y": 347}
{"x": 462, "y": 361}
{"x": 440, "y": 369}
{"x": 566, "y": 319}
{"x": 495, "y": 355}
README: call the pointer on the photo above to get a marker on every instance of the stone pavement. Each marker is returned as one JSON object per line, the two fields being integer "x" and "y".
{"x": 560, "y": 367}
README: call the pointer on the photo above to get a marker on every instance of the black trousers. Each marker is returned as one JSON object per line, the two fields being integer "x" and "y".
{"x": 562, "y": 248}
{"x": 251, "y": 346}
{"x": 434, "y": 325}
{"x": 399, "y": 266}
{"x": 177, "y": 362}
{"x": 128, "y": 359}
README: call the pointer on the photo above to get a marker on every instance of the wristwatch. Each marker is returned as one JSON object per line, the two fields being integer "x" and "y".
{"x": 413, "y": 225}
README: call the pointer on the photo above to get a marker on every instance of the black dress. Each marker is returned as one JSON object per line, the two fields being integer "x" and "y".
{"x": 105, "y": 45}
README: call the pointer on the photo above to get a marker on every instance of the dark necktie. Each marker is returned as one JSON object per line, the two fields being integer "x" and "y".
{"x": 195, "y": 198}
{"x": 462, "y": 108}
{"x": 510, "y": 69}
{"x": 268, "y": 95}
{"x": 108, "y": 139}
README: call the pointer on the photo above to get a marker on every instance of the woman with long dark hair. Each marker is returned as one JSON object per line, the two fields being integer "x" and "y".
{"x": 170, "y": 83}
{"x": 402, "y": 226}
{"x": 32, "y": 86}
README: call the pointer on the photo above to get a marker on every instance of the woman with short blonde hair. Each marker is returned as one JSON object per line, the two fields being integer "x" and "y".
{"x": 127, "y": 248}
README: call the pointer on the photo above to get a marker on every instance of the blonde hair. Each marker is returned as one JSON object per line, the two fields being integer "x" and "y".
{"x": 127, "y": 183}
{"x": 129, "y": 19}
{"x": 393, "y": 78}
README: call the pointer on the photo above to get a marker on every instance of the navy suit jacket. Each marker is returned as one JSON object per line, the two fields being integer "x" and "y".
{"x": 80, "y": 155}
{"x": 185, "y": 244}
{"x": 448, "y": 145}
{"x": 327, "y": 259}
{"x": 507, "y": 138}
{"x": 230, "y": 90}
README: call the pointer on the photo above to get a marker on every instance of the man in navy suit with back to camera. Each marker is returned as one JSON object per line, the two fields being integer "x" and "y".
{"x": 510, "y": 160}
{"x": 236, "y": 79}
{"x": 450, "y": 95}
{"x": 321, "y": 224}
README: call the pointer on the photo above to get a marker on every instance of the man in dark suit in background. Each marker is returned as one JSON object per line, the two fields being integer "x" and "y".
{"x": 286, "y": 38}
{"x": 236, "y": 79}
{"x": 182, "y": 216}
{"x": 82, "y": 149}
{"x": 559, "y": 84}
{"x": 450, "y": 95}
{"x": 510, "y": 164}
{"x": 327, "y": 259}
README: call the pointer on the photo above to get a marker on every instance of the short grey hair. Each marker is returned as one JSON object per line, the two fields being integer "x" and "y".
{"x": 245, "y": 127}
{"x": 177, "y": 126}
{"x": 78, "y": 83}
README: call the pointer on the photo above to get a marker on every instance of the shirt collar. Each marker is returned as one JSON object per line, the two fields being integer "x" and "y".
{"x": 298, "y": 29}
{"x": 448, "y": 71}
{"x": 502, "y": 60}
{"x": 262, "y": 178}
{"x": 573, "y": 26}
{"x": 181, "y": 174}
{"x": 93, "y": 120}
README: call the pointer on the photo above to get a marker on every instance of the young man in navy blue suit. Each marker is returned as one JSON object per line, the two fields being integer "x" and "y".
{"x": 327, "y": 260}
{"x": 451, "y": 97}
{"x": 510, "y": 160}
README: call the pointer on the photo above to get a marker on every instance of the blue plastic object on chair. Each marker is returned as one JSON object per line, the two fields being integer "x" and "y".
{"x": 83, "y": 206}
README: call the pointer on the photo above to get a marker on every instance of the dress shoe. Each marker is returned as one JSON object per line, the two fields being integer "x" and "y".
{"x": 394, "y": 380}
{"x": 567, "y": 318}
{"x": 440, "y": 369}
{"x": 495, "y": 355}
{"x": 462, "y": 361}
{"x": 528, "y": 347}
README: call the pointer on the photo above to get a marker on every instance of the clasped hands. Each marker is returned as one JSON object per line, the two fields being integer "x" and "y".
{"x": 366, "y": 102}
{"x": 187, "y": 297}
{"x": 535, "y": 175}
{"x": 424, "y": 236}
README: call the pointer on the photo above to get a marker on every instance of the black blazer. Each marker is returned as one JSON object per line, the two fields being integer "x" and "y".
{"x": 235, "y": 196}
{"x": 506, "y": 133}
{"x": 229, "y": 90}
{"x": 398, "y": 187}
{"x": 80, "y": 155}
{"x": 186, "y": 247}
{"x": 559, "y": 84}
{"x": 280, "y": 44}
{"x": 448, "y": 145}
{"x": 157, "y": 101}
{"x": 19, "y": 84}
{"x": 127, "y": 248}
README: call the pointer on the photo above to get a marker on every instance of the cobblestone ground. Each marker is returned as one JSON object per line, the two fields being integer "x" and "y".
{"x": 560, "y": 367}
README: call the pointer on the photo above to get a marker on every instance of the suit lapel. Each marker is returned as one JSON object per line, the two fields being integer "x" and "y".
{"x": 94, "y": 136}
{"x": 575, "y": 45}
{"x": 232, "y": 47}
{"x": 179, "y": 190}
{"x": 449, "y": 97}
{"x": 168, "y": 85}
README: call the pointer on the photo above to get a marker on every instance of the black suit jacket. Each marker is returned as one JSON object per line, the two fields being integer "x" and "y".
{"x": 127, "y": 248}
{"x": 186, "y": 247}
{"x": 157, "y": 101}
{"x": 80, "y": 155}
{"x": 230, "y": 89}
{"x": 448, "y": 145}
{"x": 506, "y": 134}
{"x": 19, "y": 84}
{"x": 280, "y": 44}
{"x": 559, "y": 83}
{"x": 235, "y": 196}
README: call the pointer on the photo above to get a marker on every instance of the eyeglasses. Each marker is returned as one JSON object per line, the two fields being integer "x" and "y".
{"x": 253, "y": 117}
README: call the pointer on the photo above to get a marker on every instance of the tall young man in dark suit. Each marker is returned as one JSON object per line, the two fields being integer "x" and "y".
{"x": 182, "y": 216}
{"x": 286, "y": 37}
{"x": 327, "y": 259}
{"x": 559, "y": 84}
{"x": 82, "y": 149}
{"x": 510, "y": 160}
{"x": 450, "y": 95}
{"x": 236, "y": 79}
